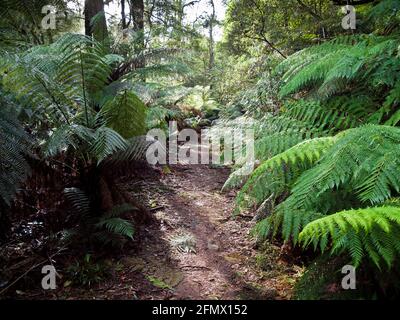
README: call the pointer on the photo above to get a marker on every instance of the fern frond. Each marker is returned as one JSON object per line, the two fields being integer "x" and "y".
{"x": 118, "y": 226}
{"x": 364, "y": 233}
{"x": 14, "y": 149}
{"x": 366, "y": 63}
{"x": 126, "y": 114}
{"x": 78, "y": 200}
{"x": 106, "y": 142}
{"x": 83, "y": 71}
{"x": 135, "y": 151}
{"x": 350, "y": 160}
{"x": 275, "y": 174}
{"x": 66, "y": 136}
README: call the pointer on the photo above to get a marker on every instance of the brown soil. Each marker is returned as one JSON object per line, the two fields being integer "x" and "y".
{"x": 224, "y": 263}
{"x": 221, "y": 262}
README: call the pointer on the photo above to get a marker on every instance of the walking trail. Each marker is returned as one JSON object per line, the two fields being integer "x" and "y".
{"x": 196, "y": 249}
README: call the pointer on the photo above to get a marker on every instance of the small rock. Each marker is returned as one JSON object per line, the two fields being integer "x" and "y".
{"x": 212, "y": 246}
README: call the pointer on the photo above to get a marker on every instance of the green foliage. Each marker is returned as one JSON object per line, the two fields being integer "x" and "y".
{"x": 366, "y": 64}
{"x": 338, "y": 114}
{"x": 20, "y": 25}
{"x": 116, "y": 225}
{"x": 287, "y": 25}
{"x": 59, "y": 83}
{"x": 359, "y": 167}
{"x": 364, "y": 158}
{"x": 120, "y": 111}
{"x": 14, "y": 148}
{"x": 321, "y": 281}
{"x": 246, "y": 85}
{"x": 371, "y": 233}
{"x": 106, "y": 142}
{"x": 327, "y": 151}
{"x": 135, "y": 151}
{"x": 83, "y": 70}
{"x": 158, "y": 282}
{"x": 108, "y": 228}
{"x": 75, "y": 108}
{"x": 385, "y": 16}
{"x": 157, "y": 115}
{"x": 297, "y": 121}
{"x": 86, "y": 272}
{"x": 325, "y": 119}
{"x": 275, "y": 174}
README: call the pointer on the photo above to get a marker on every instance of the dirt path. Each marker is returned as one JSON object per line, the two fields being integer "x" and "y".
{"x": 196, "y": 249}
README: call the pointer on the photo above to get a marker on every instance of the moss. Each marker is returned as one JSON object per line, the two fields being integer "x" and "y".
{"x": 158, "y": 282}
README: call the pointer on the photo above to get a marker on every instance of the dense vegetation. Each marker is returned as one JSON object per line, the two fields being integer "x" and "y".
{"x": 328, "y": 173}
{"x": 323, "y": 103}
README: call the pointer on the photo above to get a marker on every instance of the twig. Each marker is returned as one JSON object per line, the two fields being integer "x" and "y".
{"x": 21, "y": 276}
{"x": 195, "y": 267}
{"x": 246, "y": 216}
{"x": 29, "y": 270}
{"x": 157, "y": 208}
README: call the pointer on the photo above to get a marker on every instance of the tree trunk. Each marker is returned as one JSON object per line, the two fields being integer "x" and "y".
{"x": 179, "y": 12}
{"x": 137, "y": 15}
{"x": 123, "y": 15}
{"x": 211, "y": 60}
{"x": 96, "y": 28}
{"x": 211, "y": 33}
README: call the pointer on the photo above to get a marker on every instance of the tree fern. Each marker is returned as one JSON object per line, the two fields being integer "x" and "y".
{"x": 106, "y": 142}
{"x": 14, "y": 148}
{"x": 107, "y": 227}
{"x": 371, "y": 233}
{"x": 358, "y": 168}
{"x": 349, "y": 162}
{"x": 332, "y": 67}
{"x": 83, "y": 71}
{"x": 275, "y": 174}
{"x": 119, "y": 112}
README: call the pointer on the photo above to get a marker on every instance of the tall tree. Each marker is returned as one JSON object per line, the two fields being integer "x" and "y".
{"x": 123, "y": 15}
{"x": 137, "y": 16}
{"x": 211, "y": 22}
{"x": 95, "y": 19}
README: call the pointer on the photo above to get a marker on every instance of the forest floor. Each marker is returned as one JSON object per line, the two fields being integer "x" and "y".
{"x": 194, "y": 249}
{"x": 197, "y": 249}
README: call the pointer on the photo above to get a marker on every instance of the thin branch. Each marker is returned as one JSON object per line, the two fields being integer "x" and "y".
{"x": 29, "y": 270}
{"x": 309, "y": 10}
{"x": 262, "y": 31}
